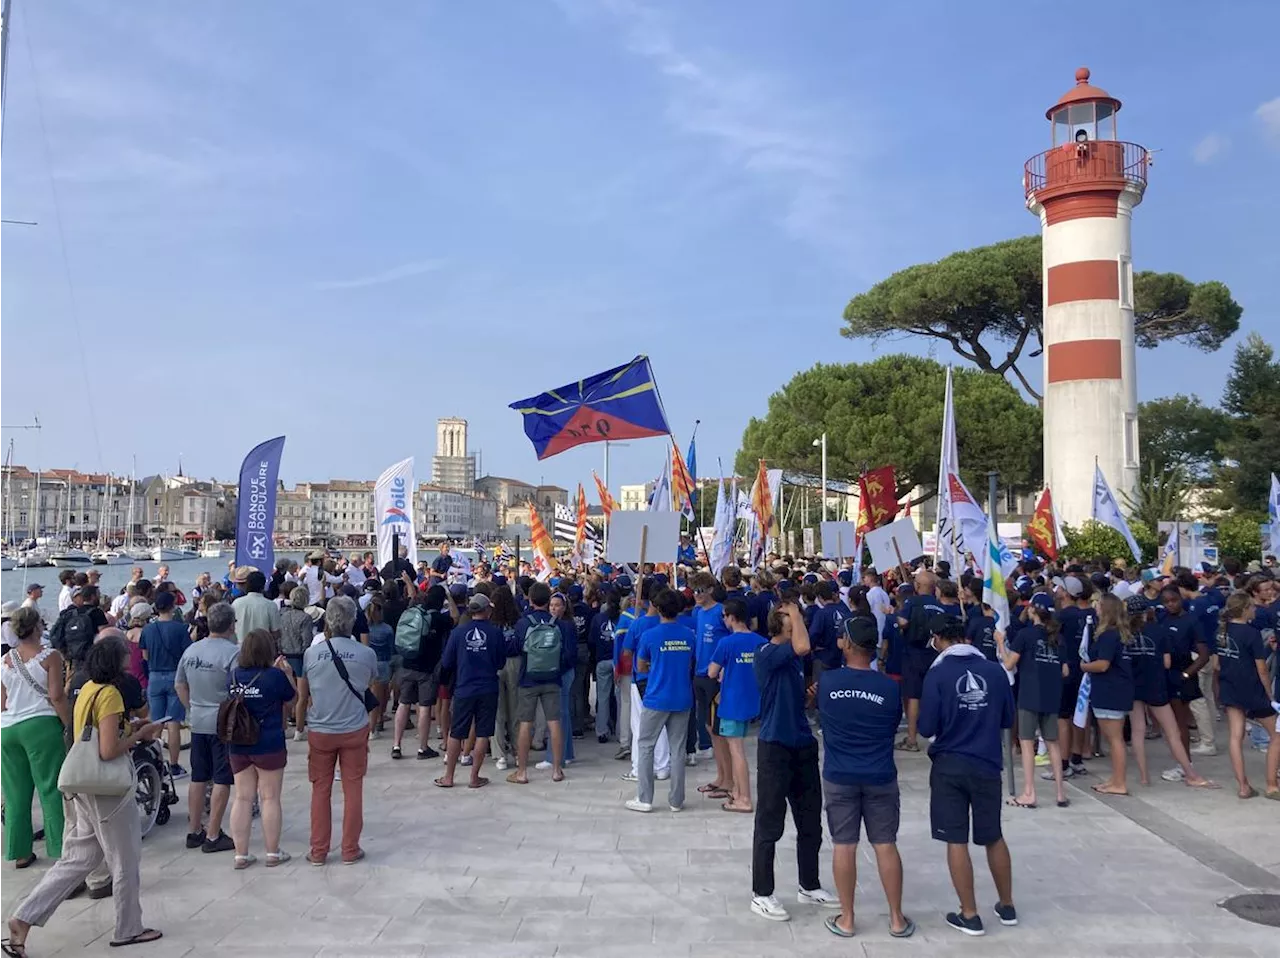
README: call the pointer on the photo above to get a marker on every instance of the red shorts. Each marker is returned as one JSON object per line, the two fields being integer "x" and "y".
{"x": 444, "y": 693}
{"x": 270, "y": 762}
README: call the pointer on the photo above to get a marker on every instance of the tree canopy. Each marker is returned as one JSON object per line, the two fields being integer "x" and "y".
{"x": 1251, "y": 398}
{"x": 987, "y": 304}
{"x": 889, "y": 412}
{"x": 1180, "y": 431}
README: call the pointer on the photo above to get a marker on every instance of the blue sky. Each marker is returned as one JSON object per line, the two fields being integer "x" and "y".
{"x": 341, "y": 221}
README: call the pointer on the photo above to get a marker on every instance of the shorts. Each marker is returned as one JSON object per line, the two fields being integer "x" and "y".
{"x": 209, "y": 760}
{"x": 956, "y": 795}
{"x": 383, "y": 674}
{"x": 731, "y": 728}
{"x": 295, "y": 663}
{"x": 706, "y": 694}
{"x": 1113, "y": 715}
{"x": 483, "y": 709}
{"x": 1029, "y": 723}
{"x": 418, "y": 688}
{"x": 527, "y": 699}
{"x": 443, "y": 692}
{"x": 1184, "y": 690}
{"x": 851, "y": 807}
{"x": 1070, "y": 694}
{"x": 268, "y": 762}
{"x": 162, "y": 699}
{"x": 915, "y": 666}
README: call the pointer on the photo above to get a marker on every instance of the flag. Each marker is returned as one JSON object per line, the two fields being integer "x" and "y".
{"x": 581, "y": 532}
{"x": 691, "y": 461}
{"x": 1107, "y": 511}
{"x": 682, "y": 482}
{"x": 722, "y": 539}
{"x": 1080, "y": 718}
{"x": 619, "y": 403}
{"x": 256, "y": 506}
{"x": 564, "y": 525}
{"x": 948, "y": 464}
{"x": 606, "y": 500}
{"x": 538, "y": 538}
{"x": 994, "y": 592}
{"x": 967, "y": 524}
{"x": 660, "y": 499}
{"x": 1041, "y": 528}
{"x": 1169, "y": 558}
{"x": 762, "y": 501}
{"x": 877, "y": 499}
{"x": 1273, "y": 513}
{"x": 393, "y": 509}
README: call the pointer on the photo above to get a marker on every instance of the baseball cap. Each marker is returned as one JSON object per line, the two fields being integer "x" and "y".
{"x": 164, "y": 601}
{"x": 1149, "y": 575}
{"x": 1073, "y": 586}
{"x": 140, "y": 610}
{"x": 575, "y": 593}
{"x": 862, "y": 632}
{"x": 479, "y": 603}
{"x": 9, "y": 608}
{"x": 1043, "y": 600}
{"x": 1135, "y": 605}
{"x": 624, "y": 583}
{"x": 31, "y": 587}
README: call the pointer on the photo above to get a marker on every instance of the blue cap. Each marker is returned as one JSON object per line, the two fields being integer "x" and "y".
{"x": 575, "y": 593}
{"x": 623, "y": 582}
{"x": 1043, "y": 600}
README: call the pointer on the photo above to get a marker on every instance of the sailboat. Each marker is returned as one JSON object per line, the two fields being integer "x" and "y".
{"x": 102, "y": 555}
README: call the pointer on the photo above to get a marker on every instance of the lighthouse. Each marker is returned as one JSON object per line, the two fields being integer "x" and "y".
{"x": 1084, "y": 188}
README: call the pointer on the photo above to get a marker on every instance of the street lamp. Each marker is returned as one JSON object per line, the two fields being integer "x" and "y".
{"x": 823, "y": 443}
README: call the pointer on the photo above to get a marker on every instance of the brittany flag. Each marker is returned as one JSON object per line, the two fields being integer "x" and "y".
{"x": 606, "y": 500}
{"x": 682, "y": 483}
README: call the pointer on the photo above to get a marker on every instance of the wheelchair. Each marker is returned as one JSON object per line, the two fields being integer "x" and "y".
{"x": 155, "y": 791}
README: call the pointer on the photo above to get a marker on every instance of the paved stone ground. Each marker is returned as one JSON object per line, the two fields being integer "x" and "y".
{"x": 564, "y": 870}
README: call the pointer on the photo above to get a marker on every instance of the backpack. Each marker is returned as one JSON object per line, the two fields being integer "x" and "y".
{"x": 236, "y": 726}
{"x": 542, "y": 648}
{"x": 409, "y": 631}
{"x": 73, "y": 633}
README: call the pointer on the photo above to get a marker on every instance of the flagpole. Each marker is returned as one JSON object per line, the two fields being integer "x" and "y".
{"x": 606, "y": 489}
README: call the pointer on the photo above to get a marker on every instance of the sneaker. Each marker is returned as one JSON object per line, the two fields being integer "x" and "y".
{"x": 602, "y": 739}
{"x": 1172, "y": 775}
{"x": 195, "y": 839}
{"x": 663, "y": 776}
{"x": 466, "y": 760}
{"x": 1042, "y": 759}
{"x": 501, "y": 763}
{"x": 102, "y": 891}
{"x": 428, "y": 752}
{"x": 768, "y": 906}
{"x": 1048, "y": 775}
{"x": 622, "y": 754}
{"x": 629, "y": 777}
{"x": 968, "y": 926}
{"x": 376, "y": 733}
{"x": 638, "y": 806}
{"x": 1007, "y": 914}
{"x": 358, "y": 858}
{"x": 690, "y": 760}
{"x": 1078, "y": 769}
{"x": 579, "y": 734}
{"x": 177, "y": 771}
{"x": 543, "y": 766}
{"x": 817, "y": 896}
{"x": 676, "y": 808}
{"x": 300, "y": 735}
{"x": 1204, "y": 750}
{"x": 222, "y": 843}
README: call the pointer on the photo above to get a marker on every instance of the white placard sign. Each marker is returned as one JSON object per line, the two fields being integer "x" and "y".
{"x": 838, "y": 540}
{"x": 661, "y": 545}
{"x": 881, "y": 542}
{"x": 807, "y": 536}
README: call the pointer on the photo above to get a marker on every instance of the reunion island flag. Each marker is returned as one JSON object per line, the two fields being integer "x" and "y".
{"x": 620, "y": 403}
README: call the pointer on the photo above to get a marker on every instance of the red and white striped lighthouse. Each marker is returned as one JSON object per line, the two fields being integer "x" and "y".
{"x": 1084, "y": 189}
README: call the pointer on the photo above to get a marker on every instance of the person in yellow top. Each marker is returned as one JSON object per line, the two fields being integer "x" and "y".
{"x": 105, "y": 826}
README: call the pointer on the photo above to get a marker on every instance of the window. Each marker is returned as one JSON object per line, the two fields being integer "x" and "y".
{"x": 1126, "y": 282}
{"x": 1131, "y": 440}
{"x": 1010, "y": 501}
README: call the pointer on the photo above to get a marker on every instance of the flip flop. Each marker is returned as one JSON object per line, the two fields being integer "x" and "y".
{"x": 141, "y": 938}
{"x": 558, "y": 777}
{"x": 1206, "y": 783}
{"x": 441, "y": 783}
{"x": 907, "y": 931}
{"x": 480, "y": 782}
{"x": 1065, "y": 803}
{"x": 1252, "y": 793}
{"x": 905, "y": 746}
{"x": 514, "y": 779}
{"x": 718, "y": 796}
{"x": 18, "y": 950}
{"x": 730, "y": 807}
{"x": 1106, "y": 791}
{"x": 710, "y": 787}
{"x": 835, "y": 929}
{"x": 1017, "y": 804}
{"x": 1274, "y": 795}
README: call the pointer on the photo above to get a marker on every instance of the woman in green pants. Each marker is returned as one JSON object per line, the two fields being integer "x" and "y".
{"x": 33, "y": 711}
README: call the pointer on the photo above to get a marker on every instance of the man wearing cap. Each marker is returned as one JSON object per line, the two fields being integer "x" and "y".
{"x": 253, "y": 609}
{"x": 34, "y": 593}
{"x": 474, "y": 654}
{"x": 965, "y": 707}
{"x": 315, "y": 578}
{"x": 163, "y": 641}
{"x": 860, "y": 710}
{"x": 1076, "y": 620}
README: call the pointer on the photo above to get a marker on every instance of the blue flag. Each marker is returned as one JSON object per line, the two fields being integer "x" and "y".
{"x": 691, "y": 461}
{"x": 256, "y": 506}
{"x": 619, "y": 403}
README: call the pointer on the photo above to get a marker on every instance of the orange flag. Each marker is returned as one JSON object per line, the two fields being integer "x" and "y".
{"x": 540, "y": 541}
{"x": 581, "y": 536}
{"x": 681, "y": 483}
{"x": 878, "y": 502}
{"x": 761, "y": 500}
{"x": 1040, "y": 528}
{"x": 606, "y": 500}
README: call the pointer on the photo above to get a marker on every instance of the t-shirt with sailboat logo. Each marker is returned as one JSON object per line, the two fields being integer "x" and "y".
{"x": 965, "y": 703}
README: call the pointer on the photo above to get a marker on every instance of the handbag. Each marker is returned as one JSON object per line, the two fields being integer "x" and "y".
{"x": 21, "y": 667}
{"x": 84, "y": 772}
{"x": 368, "y": 699}
{"x": 236, "y": 724}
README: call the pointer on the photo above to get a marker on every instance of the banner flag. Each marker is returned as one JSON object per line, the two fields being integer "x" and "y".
{"x": 393, "y": 507}
{"x": 948, "y": 464}
{"x": 606, "y": 500}
{"x": 538, "y": 538}
{"x": 1041, "y": 529}
{"x": 256, "y": 506}
{"x": 682, "y": 483}
{"x": 1107, "y": 511}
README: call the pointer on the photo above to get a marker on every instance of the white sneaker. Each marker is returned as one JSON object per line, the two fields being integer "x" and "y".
{"x": 299, "y": 735}
{"x": 629, "y": 777}
{"x": 676, "y": 808}
{"x": 690, "y": 760}
{"x": 1172, "y": 775}
{"x": 543, "y": 766}
{"x": 663, "y": 776}
{"x": 768, "y": 906}
{"x": 638, "y": 806}
{"x": 501, "y": 763}
{"x": 1204, "y": 750}
{"x": 466, "y": 760}
{"x": 567, "y": 762}
{"x": 818, "y": 896}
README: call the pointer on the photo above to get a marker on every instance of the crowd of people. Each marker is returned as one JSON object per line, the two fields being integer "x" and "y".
{"x": 832, "y": 669}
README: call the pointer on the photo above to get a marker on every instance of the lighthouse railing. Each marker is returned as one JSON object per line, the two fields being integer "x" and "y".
{"x": 1089, "y": 162}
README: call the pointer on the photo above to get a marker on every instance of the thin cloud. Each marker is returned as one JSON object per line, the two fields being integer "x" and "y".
{"x": 1209, "y": 148}
{"x": 1269, "y": 114}
{"x": 403, "y": 271}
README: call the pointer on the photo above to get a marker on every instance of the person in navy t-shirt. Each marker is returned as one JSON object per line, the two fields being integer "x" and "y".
{"x": 1033, "y": 651}
{"x": 1111, "y": 690}
{"x": 733, "y": 665}
{"x": 860, "y": 710}
{"x": 787, "y": 763}
{"x": 1242, "y": 685}
{"x": 474, "y": 654}
{"x": 1203, "y": 608}
{"x": 710, "y": 628}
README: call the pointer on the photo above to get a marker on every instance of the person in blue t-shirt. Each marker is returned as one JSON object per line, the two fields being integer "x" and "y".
{"x": 1189, "y": 655}
{"x": 1243, "y": 681}
{"x": 913, "y": 619}
{"x": 664, "y": 658}
{"x": 733, "y": 666}
{"x": 787, "y": 766}
{"x": 966, "y": 704}
{"x": 1033, "y": 652}
{"x": 600, "y": 636}
{"x": 474, "y": 654}
{"x": 1111, "y": 691}
{"x": 630, "y": 645}
{"x": 710, "y": 628}
{"x": 860, "y": 711}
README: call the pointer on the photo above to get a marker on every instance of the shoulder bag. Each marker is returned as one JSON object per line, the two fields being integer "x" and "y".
{"x": 83, "y": 770}
{"x": 21, "y": 667}
{"x": 368, "y": 699}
